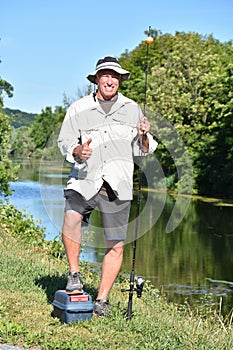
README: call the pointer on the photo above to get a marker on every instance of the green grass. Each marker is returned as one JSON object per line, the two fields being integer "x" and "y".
{"x": 30, "y": 274}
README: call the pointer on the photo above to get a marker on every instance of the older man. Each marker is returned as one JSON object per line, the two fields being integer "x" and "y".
{"x": 100, "y": 135}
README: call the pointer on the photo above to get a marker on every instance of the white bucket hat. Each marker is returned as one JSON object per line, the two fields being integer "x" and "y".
{"x": 111, "y": 63}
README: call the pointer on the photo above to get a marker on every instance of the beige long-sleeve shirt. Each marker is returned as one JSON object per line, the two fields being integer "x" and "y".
{"x": 114, "y": 144}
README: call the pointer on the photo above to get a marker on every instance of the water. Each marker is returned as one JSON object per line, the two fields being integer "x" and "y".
{"x": 193, "y": 262}
{"x": 27, "y": 196}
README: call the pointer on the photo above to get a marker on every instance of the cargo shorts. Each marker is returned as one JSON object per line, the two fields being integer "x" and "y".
{"x": 114, "y": 212}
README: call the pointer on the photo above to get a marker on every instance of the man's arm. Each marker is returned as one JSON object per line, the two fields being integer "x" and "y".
{"x": 82, "y": 152}
{"x": 144, "y": 143}
{"x": 143, "y": 127}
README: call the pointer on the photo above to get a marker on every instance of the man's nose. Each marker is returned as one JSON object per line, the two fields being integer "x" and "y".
{"x": 109, "y": 79}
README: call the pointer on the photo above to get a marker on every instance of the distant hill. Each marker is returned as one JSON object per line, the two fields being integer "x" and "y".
{"x": 19, "y": 118}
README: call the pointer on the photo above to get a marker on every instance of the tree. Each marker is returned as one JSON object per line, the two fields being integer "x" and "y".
{"x": 190, "y": 86}
{"x": 22, "y": 144}
{"x": 44, "y": 125}
{"x": 43, "y": 129}
{"x": 8, "y": 172}
{"x": 5, "y": 88}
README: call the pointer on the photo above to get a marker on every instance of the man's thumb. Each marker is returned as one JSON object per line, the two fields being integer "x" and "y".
{"x": 89, "y": 141}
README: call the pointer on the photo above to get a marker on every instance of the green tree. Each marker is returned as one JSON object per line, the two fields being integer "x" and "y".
{"x": 22, "y": 143}
{"x": 215, "y": 155}
{"x": 189, "y": 86}
{"x": 18, "y": 118}
{"x": 8, "y": 172}
{"x": 44, "y": 125}
{"x": 5, "y": 88}
{"x": 43, "y": 130}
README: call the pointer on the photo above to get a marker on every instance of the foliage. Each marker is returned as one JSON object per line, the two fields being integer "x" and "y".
{"x": 190, "y": 86}
{"x": 21, "y": 225}
{"x": 44, "y": 126}
{"x": 30, "y": 232}
{"x": 22, "y": 144}
{"x": 5, "y": 88}
{"x": 37, "y": 139}
{"x": 7, "y": 171}
{"x": 19, "y": 118}
{"x": 26, "y": 310}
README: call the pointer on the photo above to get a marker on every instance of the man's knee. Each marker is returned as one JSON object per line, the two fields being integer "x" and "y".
{"x": 72, "y": 218}
{"x": 115, "y": 247}
{"x": 72, "y": 226}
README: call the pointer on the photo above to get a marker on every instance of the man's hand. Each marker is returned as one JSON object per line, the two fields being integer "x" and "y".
{"x": 83, "y": 152}
{"x": 143, "y": 126}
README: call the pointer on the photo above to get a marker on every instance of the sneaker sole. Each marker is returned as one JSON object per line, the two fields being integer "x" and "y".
{"x": 75, "y": 291}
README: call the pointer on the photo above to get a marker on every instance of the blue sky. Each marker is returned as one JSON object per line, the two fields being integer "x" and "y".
{"x": 48, "y": 47}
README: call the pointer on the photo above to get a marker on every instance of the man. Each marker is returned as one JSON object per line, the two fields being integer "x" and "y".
{"x": 100, "y": 135}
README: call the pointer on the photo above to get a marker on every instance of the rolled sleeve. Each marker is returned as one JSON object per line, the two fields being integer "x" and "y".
{"x": 152, "y": 144}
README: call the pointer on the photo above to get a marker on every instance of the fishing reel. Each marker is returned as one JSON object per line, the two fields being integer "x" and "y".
{"x": 139, "y": 287}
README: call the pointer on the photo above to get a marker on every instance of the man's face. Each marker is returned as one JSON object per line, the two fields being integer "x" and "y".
{"x": 108, "y": 82}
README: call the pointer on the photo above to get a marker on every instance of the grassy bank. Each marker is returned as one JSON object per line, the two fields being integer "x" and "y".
{"x": 31, "y": 273}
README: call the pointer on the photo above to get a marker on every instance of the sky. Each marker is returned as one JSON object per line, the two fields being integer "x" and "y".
{"x": 48, "y": 47}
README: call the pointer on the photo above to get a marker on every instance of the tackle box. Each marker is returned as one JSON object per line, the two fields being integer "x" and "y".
{"x": 72, "y": 307}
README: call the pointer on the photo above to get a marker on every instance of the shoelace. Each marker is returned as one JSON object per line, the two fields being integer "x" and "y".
{"x": 76, "y": 278}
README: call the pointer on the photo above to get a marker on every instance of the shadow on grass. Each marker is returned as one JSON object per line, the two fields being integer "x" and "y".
{"x": 53, "y": 283}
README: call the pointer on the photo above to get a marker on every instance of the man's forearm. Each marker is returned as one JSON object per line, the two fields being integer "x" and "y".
{"x": 144, "y": 143}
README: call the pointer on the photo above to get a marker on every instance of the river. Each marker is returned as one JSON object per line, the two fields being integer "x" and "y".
{"x": 189, "y": 261}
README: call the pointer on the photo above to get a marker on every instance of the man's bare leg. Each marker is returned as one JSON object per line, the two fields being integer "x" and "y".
{"x": 110, "y": 268}
{"x": 72, "y": 238}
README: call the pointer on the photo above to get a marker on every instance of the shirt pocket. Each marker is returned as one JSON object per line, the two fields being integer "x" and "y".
{"x": 93, "y": 133}
{"x": 123, "y": 130}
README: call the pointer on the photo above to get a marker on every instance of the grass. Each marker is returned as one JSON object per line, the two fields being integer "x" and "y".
{"x": 30, "y": 274}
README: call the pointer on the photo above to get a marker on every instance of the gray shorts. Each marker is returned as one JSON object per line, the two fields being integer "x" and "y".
{"x": 114, "y": 212}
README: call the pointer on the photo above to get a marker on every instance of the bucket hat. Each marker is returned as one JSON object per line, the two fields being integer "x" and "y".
{"x": 108, "y": 62}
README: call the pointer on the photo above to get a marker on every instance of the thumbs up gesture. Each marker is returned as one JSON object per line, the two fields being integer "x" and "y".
{"x": 83, "y": 151}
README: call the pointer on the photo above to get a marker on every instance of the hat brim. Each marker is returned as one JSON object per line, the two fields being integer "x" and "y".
{"x": 124, "y": 73}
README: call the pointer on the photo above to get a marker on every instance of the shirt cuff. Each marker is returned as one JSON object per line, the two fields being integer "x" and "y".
{"x": 69, "y": 154}
{"x": 152, "y": 144}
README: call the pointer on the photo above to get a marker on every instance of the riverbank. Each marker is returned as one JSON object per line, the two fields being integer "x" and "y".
{"x": 29, "y": 276}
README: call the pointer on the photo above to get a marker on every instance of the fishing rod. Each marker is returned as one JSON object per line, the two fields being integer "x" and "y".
{"x": 139, "y": 281}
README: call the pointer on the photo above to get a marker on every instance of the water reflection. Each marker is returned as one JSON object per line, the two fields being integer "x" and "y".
{"x": 192, "y": 261}
{"x": 184, "y": 263}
